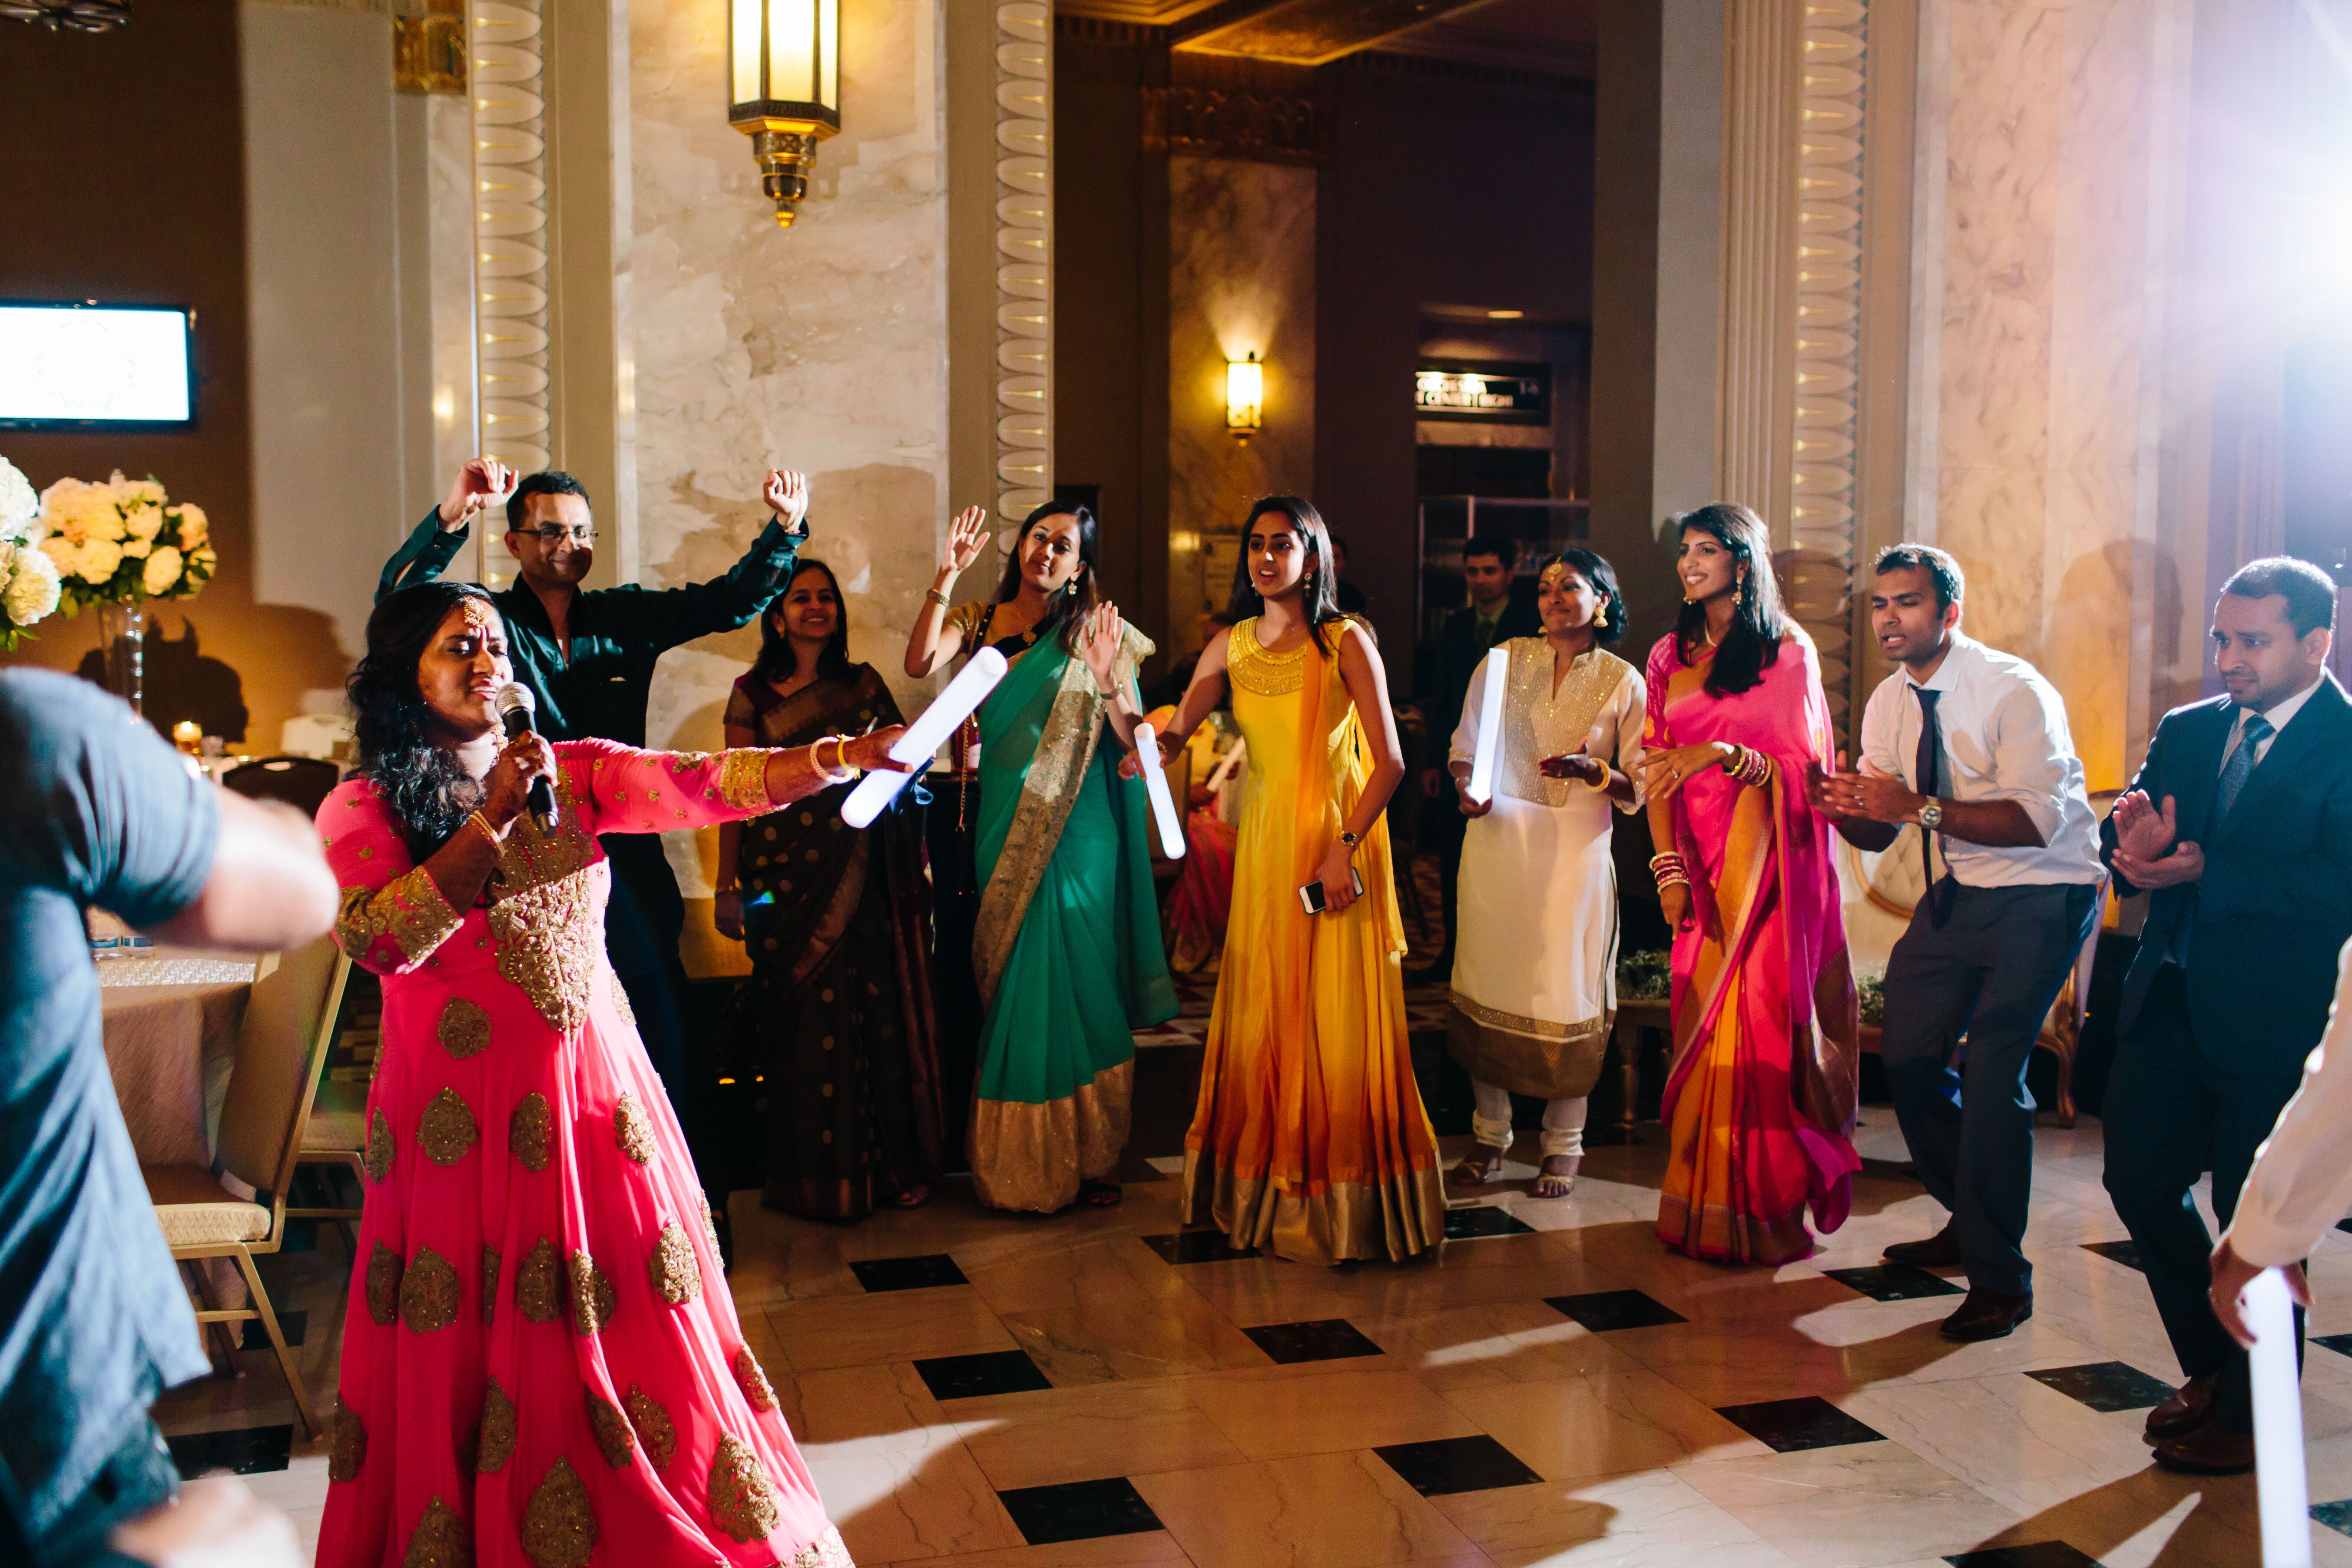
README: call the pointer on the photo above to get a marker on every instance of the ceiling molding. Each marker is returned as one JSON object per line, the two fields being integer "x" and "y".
{"x": 1305, "y": 32}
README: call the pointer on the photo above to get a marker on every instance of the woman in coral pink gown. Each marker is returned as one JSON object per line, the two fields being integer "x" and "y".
{"x": 540, "y": 1357}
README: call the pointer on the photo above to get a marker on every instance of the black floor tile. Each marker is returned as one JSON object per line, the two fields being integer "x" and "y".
{"x": 1605, "y": 1310}
{"x": 2106, "y": 1386}
{"x": 2040, "y": 1554}
{"x": 879, "y": 1274}
{"x": 1456, "y": 1465}
{"x": 1483, "y": 1220}
{"x": 2340, "y": 1344}
{"x": 1320, "y": 1338}
{"x": 1079, "y": 1510}
{"x": 1196, "y": 1247}
{"x": 2336, "y": 1516}
{"x": 970, "y": 1377}
{"x": 2124, "y": 1252}
{"x": 291, "y": 1324}
{"x": 1894, "y": 1282}
{"x": 1789, "y": 1426}
{"x": 248, "y": 1452}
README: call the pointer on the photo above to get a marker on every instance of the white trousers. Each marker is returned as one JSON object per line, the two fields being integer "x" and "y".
{"x": 1563, "y": 1121}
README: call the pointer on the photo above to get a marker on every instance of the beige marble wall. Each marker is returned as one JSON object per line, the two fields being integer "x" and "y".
{"x": 820, "y": 347}
{"x": 2046, "y": 238}
{"x": 1241, "y": 279}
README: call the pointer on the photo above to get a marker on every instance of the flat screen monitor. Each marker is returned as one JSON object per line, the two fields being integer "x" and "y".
{"x": 95, "y": 367}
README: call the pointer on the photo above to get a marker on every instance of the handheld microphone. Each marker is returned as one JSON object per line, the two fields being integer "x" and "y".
{"x": 516, "y": 705}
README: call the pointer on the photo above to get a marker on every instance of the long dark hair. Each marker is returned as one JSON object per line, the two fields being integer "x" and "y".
{"x": 429, "y": 793}
{"x": 1318, "y": 585}
{"x": 1609, "y": 620}
{"x": 1753, "y": 642}
{"x": 1067, "y": 610}
{"x": 775, "y": 661}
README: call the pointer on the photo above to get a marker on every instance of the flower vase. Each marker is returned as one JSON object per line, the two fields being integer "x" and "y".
{"x": 122, "y": 634}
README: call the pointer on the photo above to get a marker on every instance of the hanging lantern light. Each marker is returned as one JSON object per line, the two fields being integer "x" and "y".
{"x": 783, "y": 91}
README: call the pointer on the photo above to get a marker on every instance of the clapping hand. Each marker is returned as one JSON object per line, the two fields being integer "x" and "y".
{"x": 967, "y": 537}
{"x": 1867, "y": 796}
{"x": 786, "y": 493}
{"x": 2144, "y": 833}
{"x": 478, "y": 484}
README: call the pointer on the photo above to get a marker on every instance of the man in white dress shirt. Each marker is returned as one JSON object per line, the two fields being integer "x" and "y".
{"x": 1971, "y": 745}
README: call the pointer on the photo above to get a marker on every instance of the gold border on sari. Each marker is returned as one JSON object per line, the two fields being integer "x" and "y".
{"x": 1035, "y": 1156}
{"x": 1325, "y": 1223}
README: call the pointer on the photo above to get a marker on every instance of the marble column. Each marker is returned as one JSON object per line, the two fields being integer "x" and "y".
{"x": 2047, "y": 230}
{"x": 820, "y": 347}
{"x": 1241, "y": 280}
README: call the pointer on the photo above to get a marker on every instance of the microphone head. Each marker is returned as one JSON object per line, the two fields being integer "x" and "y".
{"x": 514, "y": 697}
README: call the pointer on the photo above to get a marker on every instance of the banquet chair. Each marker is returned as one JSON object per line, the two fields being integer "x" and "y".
{"x": 302, "y": 783}
{"x": 288, "y": 1024}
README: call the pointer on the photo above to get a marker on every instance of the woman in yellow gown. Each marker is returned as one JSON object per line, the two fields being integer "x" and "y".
{"x": 1309, "y": 1134}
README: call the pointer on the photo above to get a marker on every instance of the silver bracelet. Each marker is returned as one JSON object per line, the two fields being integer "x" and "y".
{"x": 828, "y": 774}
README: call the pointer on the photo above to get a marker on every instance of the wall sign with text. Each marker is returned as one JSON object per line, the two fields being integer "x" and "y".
{"x": 1484, "y": 392}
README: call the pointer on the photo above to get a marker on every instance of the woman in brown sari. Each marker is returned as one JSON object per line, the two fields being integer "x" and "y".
{"x": 837, "y": 1014}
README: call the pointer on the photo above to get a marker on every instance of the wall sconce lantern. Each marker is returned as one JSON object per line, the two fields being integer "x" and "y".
{"x": 1244, "y": 396}
{"x": 783, "y": 89}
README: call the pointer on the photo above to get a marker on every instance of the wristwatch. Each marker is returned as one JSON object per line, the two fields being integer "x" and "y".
{"x": 1931, "y": 816}
{"x": 1349, "y": 839}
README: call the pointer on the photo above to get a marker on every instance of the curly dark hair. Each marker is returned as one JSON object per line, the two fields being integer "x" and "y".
{"x": 430, "y": 794}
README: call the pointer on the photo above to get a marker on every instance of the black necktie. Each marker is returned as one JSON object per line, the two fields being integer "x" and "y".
{"x": 1927, "y": 780}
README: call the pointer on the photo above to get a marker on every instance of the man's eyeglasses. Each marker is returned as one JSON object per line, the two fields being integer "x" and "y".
{"x": 551, "y": 537}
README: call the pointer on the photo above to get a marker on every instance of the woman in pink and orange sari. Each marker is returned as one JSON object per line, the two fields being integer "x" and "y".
{"x": 1760, "y": 1100}
{"x": 540, "y": 1356}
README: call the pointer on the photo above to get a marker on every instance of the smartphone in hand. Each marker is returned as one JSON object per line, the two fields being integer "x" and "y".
{"x": 1310, "y": 897}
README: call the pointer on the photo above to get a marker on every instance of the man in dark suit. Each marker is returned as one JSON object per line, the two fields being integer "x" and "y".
{"x": 2240, "y": 824}
{"x": 1493, "y": 614}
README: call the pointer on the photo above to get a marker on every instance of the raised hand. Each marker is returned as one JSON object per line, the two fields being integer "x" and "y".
{"x": 1099, "y": 640}
{"x": 967, "y": 537}
{"x": 479, "y": 483}
{"x": 786, "y": 493}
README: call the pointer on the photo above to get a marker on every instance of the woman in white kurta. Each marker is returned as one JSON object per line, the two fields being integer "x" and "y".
{"x": 1534, "y": 990}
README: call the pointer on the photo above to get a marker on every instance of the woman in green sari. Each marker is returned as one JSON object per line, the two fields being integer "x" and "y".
{"x": 836, "y": 1018}
{"x": 1068, "y": 947}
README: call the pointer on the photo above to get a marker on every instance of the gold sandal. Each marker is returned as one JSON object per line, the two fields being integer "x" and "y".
{"x": 1483, "y": 1164}
{"x": 1551, "y": 1184}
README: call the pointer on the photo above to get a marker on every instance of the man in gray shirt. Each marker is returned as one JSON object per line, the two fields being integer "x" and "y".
{"x": 93, "y": 1319}
{"x": 1971, "y": 745}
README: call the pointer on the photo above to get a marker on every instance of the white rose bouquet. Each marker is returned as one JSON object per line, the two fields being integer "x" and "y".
{"x": 28, "y": 578}
{"x": 123, "y": 542}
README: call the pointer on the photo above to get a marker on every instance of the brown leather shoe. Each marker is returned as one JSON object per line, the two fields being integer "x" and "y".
{"x": 1941, "y": 1250}
{"x": 1988, "y": 1315}
{"x": 2185, "y": 1412}
{"x": 2208, "y": 1451}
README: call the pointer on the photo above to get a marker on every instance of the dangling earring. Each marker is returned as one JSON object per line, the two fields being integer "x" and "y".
{"x": 1600, "y": 617}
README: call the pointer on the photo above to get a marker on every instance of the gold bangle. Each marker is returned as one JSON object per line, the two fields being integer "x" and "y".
{"x": 497, "y": 838}
{"x": 942, "y": 598}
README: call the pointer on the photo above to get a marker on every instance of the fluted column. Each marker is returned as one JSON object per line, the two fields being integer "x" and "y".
{"x": 509, "y": 245}
{"x": 1756, "y": 385}
{"x": 1024, "y": 250}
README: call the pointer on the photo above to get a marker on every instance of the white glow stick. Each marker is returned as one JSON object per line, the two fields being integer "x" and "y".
{"x": 925, "y": 735}
{"x": 1490, "y": 727}
{"x": 2281, "y": 1487}
{"x": 1155, "y": 785}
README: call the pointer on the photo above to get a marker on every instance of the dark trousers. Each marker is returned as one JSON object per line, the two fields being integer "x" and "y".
{"x": 2177, "y": 1106}
{"x": 955, "y": 915}
{"x": 1989, "y": 972}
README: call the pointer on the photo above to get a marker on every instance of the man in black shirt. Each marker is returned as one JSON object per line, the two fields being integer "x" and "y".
{"x": 590, "y": 655}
